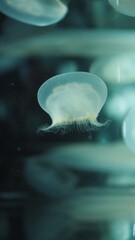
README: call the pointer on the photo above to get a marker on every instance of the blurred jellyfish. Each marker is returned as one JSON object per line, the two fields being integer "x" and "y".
{"x": 122, "y": 99}
{"x": 117, "y": 160}
{"x": 128, "y": 130}
{"x": 133, "y": 230}
{"x": 120, "y": 229}
{"x": 119, "y": 74}
{"x": 117, "y": 69}
{"x": 72, "y": 98}
{"x": 48, "y": 178}
{"x": 126, "y": 7}
{"x": 35, "y": 12}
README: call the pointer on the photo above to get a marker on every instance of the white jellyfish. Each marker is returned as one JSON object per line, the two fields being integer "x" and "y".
{"x": 126, "y": 7}
{"x": 128, "y": 130}
{"x": 72, "y": 98}
{"x": 35, "y": 12}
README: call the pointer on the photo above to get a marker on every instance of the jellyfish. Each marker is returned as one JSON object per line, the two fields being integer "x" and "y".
{"x": 116, "y": 69}
{"x": 126, "y": 7}
{"x": 35, "y": 12}
{"x": 47, "y": 178}
{"x": 72, "y": 98}
{"x": 128, "y": 129}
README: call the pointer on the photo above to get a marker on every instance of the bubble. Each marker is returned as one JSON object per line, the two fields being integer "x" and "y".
{"x": 128, "y": 130}
{"x": 35, "y": 12}
{"x": 72, "y": 98}
{"x": 126, "y": 7}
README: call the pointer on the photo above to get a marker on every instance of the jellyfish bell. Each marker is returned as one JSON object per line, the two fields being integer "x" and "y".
{"x": 126, "y": 7}
{"x": 72, "y": 98}
{"x": 35, "y": 12}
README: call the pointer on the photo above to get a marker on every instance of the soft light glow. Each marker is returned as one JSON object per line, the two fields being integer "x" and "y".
{"x": 75, "y": 97}
{"x": 35, "y": 12}
{"x": 126, "y": 7}
{"x": 128, "y": 130}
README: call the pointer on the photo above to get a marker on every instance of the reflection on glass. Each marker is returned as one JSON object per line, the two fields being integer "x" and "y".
{"x": 128, "y": 129}
{"x": 126, "y": 7}
{"x": 35, "y": 12}
{"x": 75, "y": 97}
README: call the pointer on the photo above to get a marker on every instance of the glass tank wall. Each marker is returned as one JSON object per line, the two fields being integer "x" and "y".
{"x": 67, "y": 119}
